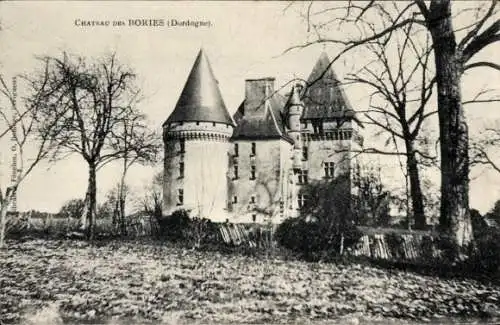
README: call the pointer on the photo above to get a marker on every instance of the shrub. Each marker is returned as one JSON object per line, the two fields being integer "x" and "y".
{"x": 325, "y": 226}
{"x": 486, "y": 258}
{"x": 173, "y": 227}
{"x": 486, "y": 254}
{"x": 179, "y": 227}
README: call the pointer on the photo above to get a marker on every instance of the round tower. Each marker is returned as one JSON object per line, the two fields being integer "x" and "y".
{"x": 196, "y": 137}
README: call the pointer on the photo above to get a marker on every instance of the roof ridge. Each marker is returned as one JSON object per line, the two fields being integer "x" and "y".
{"x": 274, "y": 120}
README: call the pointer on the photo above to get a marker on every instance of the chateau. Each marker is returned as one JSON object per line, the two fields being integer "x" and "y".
{"x": 250, "y": 167}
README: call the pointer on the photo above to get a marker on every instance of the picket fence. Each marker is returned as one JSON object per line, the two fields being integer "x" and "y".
{"x": 375, "y": 243}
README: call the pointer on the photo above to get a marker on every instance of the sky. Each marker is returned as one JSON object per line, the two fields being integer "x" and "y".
{"x": 242, "y": 40}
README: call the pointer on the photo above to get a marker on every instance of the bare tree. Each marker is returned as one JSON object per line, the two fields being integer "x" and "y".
{"x": 136, "y": 145}
{"x": 98, "y": 96}
{"x": 152, "y": 201}
{"x": 32, "y": 140}
{"x": 376, "y": 19}
{"x": 481, "y": 149}
{"x": 402, "y": 87}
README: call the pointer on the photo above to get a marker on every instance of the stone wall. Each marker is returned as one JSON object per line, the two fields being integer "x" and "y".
{"x": 203, "y": 183}
{"x": 258, "y": 198}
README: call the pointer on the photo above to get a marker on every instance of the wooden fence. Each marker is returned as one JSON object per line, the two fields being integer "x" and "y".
{"x": 23, "y": 223}
{"x": 375, "y": 243}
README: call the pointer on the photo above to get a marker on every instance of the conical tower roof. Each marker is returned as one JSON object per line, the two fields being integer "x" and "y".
{"x": 322, "y": 70}
{"x": 325, "y": 96}
{"x": 294, "y": 98}
{"x": 201, "y": 100}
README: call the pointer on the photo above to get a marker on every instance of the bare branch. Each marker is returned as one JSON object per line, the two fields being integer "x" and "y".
{"x": 482, "y": 64}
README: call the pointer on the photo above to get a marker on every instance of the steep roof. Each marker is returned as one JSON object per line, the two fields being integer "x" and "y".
{"x": 268, "y": 126}
{"x": 201, "y": 99}
{"x": 294, "y": 98}
{"x": 324, "y": 96}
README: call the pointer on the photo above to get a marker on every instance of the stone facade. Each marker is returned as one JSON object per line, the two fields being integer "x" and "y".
{"x": 250, "y": 168}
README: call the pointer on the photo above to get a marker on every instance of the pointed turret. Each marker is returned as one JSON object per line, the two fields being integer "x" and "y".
{"x": 294, "y": 109}
{"x": 295, "y": 97}
{"x": 201, "y": 99}
{"x": 325, "y": 97}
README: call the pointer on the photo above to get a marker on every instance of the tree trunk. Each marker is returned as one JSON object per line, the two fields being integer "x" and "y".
{"x": 455, "y": 214}
{"x": 92, "y": 204}
{"x": 121, "y": 200}
{"x": 84, "y": 216}
{"x": 122, "y": 217}
{"x": 417, "y": 198}
{"x": 3, "y": 214}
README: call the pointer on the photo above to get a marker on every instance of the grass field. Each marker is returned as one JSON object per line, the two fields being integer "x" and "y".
{"x": 67, "y": 282}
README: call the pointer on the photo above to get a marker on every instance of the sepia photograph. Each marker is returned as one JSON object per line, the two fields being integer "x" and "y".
{"x": 250, "y": 162}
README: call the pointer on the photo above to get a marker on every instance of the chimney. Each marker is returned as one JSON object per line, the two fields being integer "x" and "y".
{"x": 257, "y": 92}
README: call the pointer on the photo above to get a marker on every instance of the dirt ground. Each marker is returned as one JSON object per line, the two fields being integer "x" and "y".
{"x": 66, "y": 282}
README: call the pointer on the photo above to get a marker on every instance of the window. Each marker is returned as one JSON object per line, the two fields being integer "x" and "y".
{"x": 235, "y": 199}
{"x": 252, "y": 199}
{"x": 301, "y": 200}
{"x": 254, "y": 217}
{"x": 252, "y": 172}
{"x": 197, "y": 123}
{"x": 236, "y": 150}
{"x": 282, "y": 207}
{"x": 180, "y": 196}
{"x": 181, "y": 169}
{"x": 329, "y": 169}
{"x": 303, "y": 176}
{"x": 235, "y": 167}
{"x": 213, "y": 124}
{"x": 304, "y": 153}
{"x": 254, "y": 149}
{"x": 317, "y": 127}
{"x": 182, "y": 146}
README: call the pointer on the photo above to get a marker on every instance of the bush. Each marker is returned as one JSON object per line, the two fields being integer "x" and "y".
{"x": 312, "y": 241}
{"x": 173, "y": 227}
{"x": 486, "y": 258}
{"x": 179, "y": 227}
{"x": 486, "y": 254}
{"x": 325, "y": 226}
